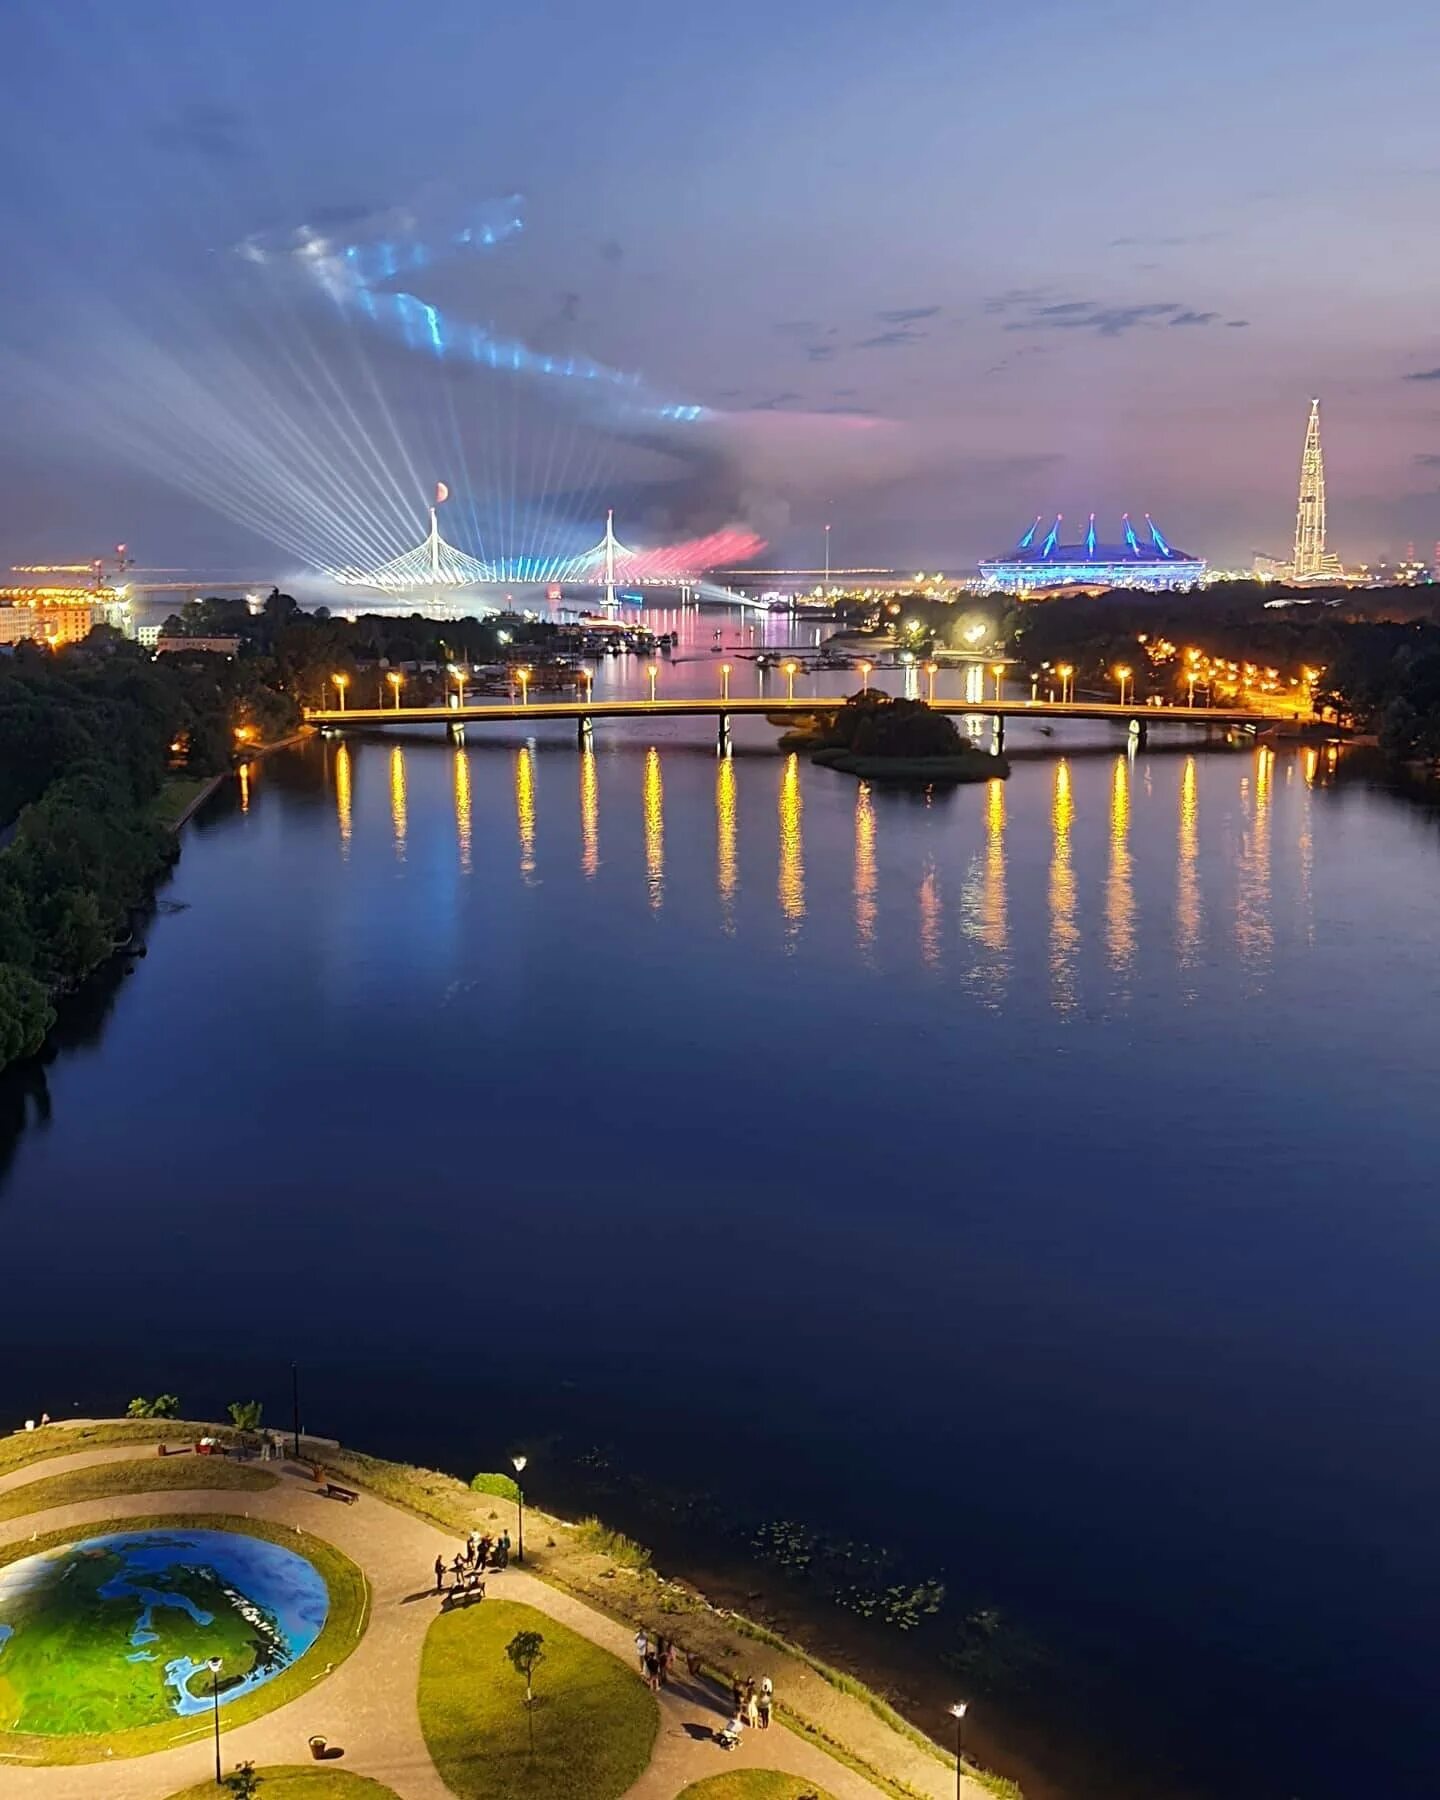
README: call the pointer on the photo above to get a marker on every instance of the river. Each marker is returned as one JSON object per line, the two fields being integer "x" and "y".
{"x": 1036, "y": 1180}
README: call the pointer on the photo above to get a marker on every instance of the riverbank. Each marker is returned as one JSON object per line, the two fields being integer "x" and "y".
{"x": 608, "y": 1572}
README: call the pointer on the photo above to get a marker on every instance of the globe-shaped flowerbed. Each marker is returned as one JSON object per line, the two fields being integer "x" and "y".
{"x": 127, "y": 1638}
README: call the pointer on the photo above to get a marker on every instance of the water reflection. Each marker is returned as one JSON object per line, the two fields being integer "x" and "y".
{"x": 654, "y": 828}
{"x": 525, "y": 810}
{"x": 399, "y": 814}
{"x": 1064, "y": 933}
{"x": 983, "y": 903}
{"x": 864, "y": 866}
{"x": 343, "y": 801}
{"x": 792, "y": 856}
{"x": 243, "y": 772}
{"x": 1254, "y": 929}
{"x": 930, "y": 915}
{"x": 726, "y": 861}
{"x": 1187, "y": 877}
{"x": 589, "y": 810}
{"x": 461, "y": 769}
{"x": 1119, "y": 887}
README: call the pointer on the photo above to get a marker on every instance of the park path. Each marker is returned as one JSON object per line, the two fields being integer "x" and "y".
{"x": 368, "y": 1705}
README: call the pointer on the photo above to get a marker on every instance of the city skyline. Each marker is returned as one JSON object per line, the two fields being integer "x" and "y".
{"x": 227, "y": 341}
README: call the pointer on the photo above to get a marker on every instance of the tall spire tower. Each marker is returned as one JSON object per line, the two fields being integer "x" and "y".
{"x": 1312, "y": 562}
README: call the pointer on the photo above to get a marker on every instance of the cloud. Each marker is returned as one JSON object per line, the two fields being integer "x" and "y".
{"x": 798, "y": 327}
{"x": 611, "y": 250}
{"x": 1194, "y": 318}
{"x": 773, "y": 402}
{"x": 1428, "y": 461}
{"x": 906, "y": 315}
{"x": 1236, "y": 324}
{"x": 1146, "y": 242}
{"x": 1424, "y": 375}
{"x": 819, "y": 352}
{"x": 1103, "y": 318}
{"x": 890, "y": 340}
{"x": 204, "y": 129}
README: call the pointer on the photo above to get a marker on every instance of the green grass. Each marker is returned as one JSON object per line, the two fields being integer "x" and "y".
{"x": 349, "y": 1613}
{"x": 103, "y": 1481}
{"x": 178, "y": 792}
{"x": 293, "y": 1782}
{"x": 595, "y": 1720}
{"x": 754, "y": 1784}
{"x": 21, "y": 1448}
{"x": 600, "y": 1540}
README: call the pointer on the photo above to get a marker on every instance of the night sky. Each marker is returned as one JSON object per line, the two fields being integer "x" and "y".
{"x": 922, "y": 270}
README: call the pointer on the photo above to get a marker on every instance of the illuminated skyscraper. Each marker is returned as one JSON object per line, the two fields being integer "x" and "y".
{"x": 1312, "y": 561}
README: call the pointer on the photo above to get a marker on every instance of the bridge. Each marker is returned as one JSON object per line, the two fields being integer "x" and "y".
{"x": 582, "y": 713}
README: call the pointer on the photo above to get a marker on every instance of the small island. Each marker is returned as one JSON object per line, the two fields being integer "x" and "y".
{"x": 880, "y": 737}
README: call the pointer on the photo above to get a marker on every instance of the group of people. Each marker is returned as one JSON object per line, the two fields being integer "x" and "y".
{"x": 471, "y": 1560}
{"x": 752, "y": 1702}
{"x": 751, "y": 1705}
{"x": 657, "y": 1658}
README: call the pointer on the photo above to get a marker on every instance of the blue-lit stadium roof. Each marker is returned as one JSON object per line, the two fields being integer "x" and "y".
{"x": 1038, "y": 561}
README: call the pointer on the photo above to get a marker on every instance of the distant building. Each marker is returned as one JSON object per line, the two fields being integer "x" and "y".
{"x": 1038, "y": 566}
{"x": 217, "y": 646}
{"x": 52, "y": 616}
{"x": 1311, "y": 561}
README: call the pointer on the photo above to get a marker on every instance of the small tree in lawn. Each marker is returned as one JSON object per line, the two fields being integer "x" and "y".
{"x": 244, "y": 1784}
{"x": 245, "y": 1415}
{"x": 526, "y": 1651}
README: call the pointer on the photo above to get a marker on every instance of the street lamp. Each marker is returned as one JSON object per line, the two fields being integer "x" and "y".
{"x": 523, "y": 677}
{"x": 1066, "y": 672}
{"x": 588, "y": 677}
{"x": 957, "y": 1712}
{"x": 397, "y": 681}
{"x": 519, "y": 1462}
{"x": 1122, "y": 675}
{"x": 459, "y": 675}
{"x": 652, "y": 672}
{"x": 341, "y": 682}
{"x": 865, "y": 669}
{"x": 724, "y": 681}
{"x": 790, "y": 678}
{"x": 1190, "y": 676}
{"x": 998, "y": 671}
{"x": 930, "y": 672}
{"x": 213, "y": 1665}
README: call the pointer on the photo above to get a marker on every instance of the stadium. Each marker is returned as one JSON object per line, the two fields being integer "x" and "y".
{"x": 1044, "y": 565}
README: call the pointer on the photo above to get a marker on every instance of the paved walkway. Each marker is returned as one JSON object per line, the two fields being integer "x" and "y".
{"x": 368, "y": 1705}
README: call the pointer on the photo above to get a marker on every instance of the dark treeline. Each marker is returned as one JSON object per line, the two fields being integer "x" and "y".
{"x": 88, "y": 737}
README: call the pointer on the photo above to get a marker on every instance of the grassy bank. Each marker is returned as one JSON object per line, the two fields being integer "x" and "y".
{"x": 341, "y": 1632}
{"x": 171, "y": 1474}
{"x": 296, "y": 1782}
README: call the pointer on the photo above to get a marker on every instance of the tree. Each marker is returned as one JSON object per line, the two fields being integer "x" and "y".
{"x": 163, "y": 1406}
{"x": 526, "y": 1651}
{"x": 244, "y": 1783}
{"x": 245, "y": 1414}
{"x": 26, "y": 1015}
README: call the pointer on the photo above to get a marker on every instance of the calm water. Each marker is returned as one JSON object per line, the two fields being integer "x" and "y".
{"x": 1040, "y": 1178}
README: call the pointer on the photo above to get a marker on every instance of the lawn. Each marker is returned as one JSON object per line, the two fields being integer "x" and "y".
{"x": 595, "y": 1720}
{"x": 349, "y": 1612}
{"x": 292, "y": 1783}
{"x": 754, "y": 1784}
{"x": 21, "y": 1448}
{"x": 178, "y": 792}
{"x": 154, "y": 1475}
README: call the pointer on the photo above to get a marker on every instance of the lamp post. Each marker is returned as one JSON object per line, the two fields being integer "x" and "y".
{"x": 459, "y": 675}
{"x": 341, "y": 683}
{"x": 519, "y": 1462}
{"x": 957, "y": 1712}
{"x": 998, "y": 671}
{"x": 865, "y": 669}
{"x": 1122, "y": 675}
{"x": 1066, "y": 672}
{"x": 523, "y": 677}
{"x": 397, "y": 681}
{"x": 588, "y": 677}
{"x": 790, "y": 680}
{"x": 652, "y": 672}
{"x": 930, "y": 676}
{"x": 724, "y": 681}
{"x": 1190, "y": 678}
{"x": 213, "y": 1665}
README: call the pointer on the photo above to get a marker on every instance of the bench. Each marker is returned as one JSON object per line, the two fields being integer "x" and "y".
{"x": 332, "y": 1490}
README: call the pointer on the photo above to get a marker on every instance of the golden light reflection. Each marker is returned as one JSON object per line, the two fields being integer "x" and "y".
{"x": 792, "y": 850}
{"x": 1064, "y": 934}
{"x": 461, "y": 771}
{"x": 1187, "y": 875}
{"x": 343, "y": 791}
{"x": 865, "y": 866}
{"x": 654, "y": 828}
{"x": 1310, "y": 763}
{"x": 525, "y": 809}
{"x": 726, "y": 859}
{"x": 1119, "y": 886}
{"x": 244, "y": 774}
{"x": 399, "y": 814}
{"x": 1305, "y": 845}
{"x": 930, "y": 917}
{"x": 993, "y": 928}
{"x": 589, "y": 810}
{"x": 1254, "y": 929}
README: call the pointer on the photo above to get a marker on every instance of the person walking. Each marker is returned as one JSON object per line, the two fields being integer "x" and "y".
{"x": 439, "y": 1574}
{"x": 652, "y": 1672}
{"x": 642, "y": 1647}
{"x": 752, "y": 1707}
{"x": 502, "y": 1558}
{"x": 767, "y": 1701}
